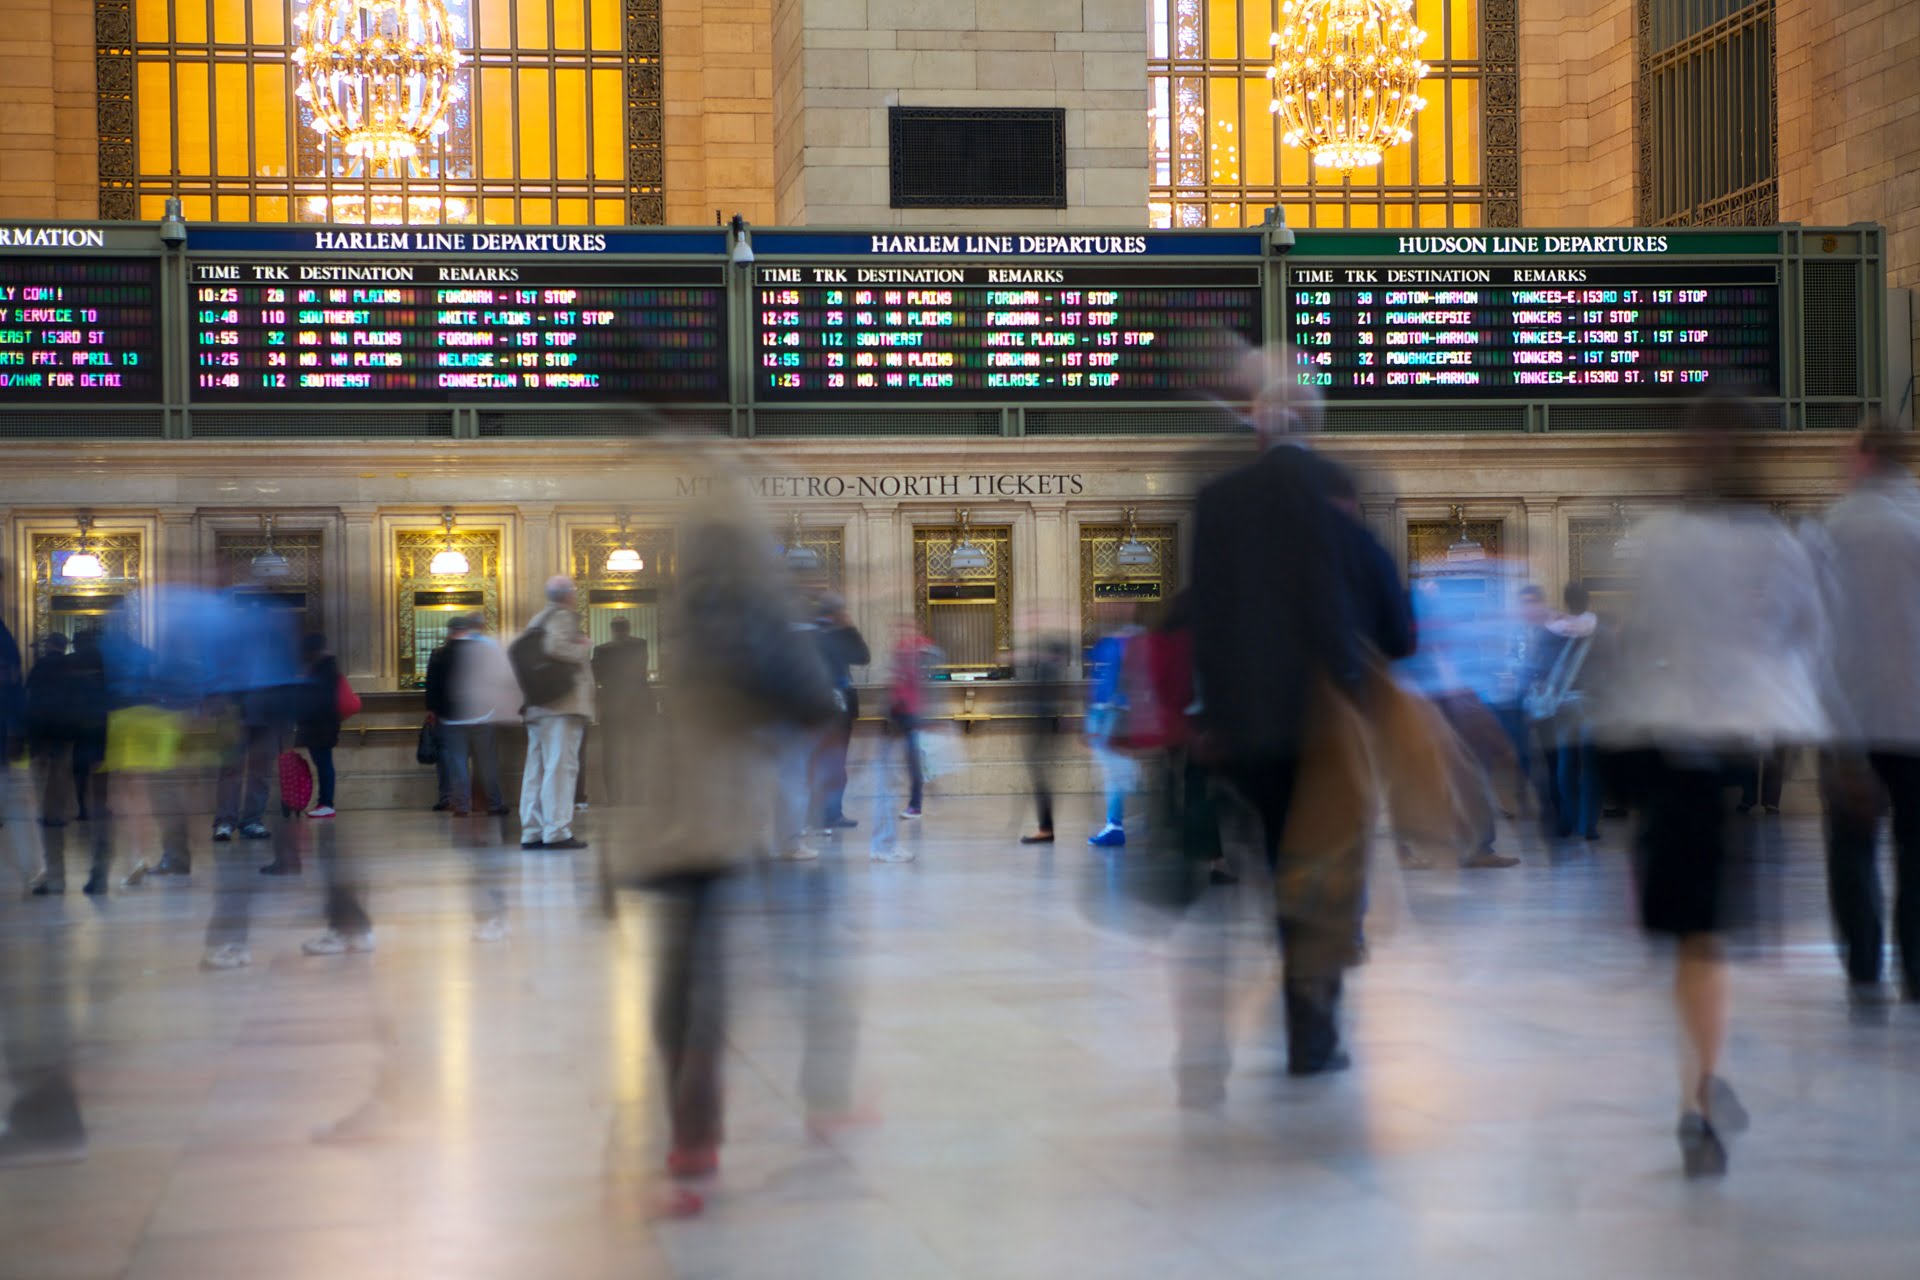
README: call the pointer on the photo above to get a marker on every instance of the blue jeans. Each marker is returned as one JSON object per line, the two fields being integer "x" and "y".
{"x": 1577, "y": 782}
{"x": 455, "y": 741}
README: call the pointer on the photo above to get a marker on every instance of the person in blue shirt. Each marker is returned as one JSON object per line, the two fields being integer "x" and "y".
{"x": 1106, "y": 700}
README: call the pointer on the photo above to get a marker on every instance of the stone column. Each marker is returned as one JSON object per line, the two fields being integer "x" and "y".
{"x": 1051, "y": 597}
{"x": 366, "y": 592}
{"x": 1542, "y": 532}
{"x": 538, "y": 555}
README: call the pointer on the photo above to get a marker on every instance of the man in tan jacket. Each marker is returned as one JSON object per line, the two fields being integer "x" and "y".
{"x": 556, "y": 725}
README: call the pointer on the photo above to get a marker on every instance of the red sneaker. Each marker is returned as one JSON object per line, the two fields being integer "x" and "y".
{"x": 693, "y": 1162}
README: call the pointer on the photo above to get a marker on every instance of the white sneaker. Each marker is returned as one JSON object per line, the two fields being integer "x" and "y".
{"x": 800, "y": 851}
{"x": 894, "y": 854}
{"x": 324, "y": 811}
{"x": 492, "y": 929}
{"x": 334, "y": 943}
{"x": 232, "y": 955}
{"x": 136, "y": 877}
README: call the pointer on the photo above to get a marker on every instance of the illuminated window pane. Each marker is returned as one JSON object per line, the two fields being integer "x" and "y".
{"x": 1399, "y": 215}
{"x": 1223, "y": 133}
{"x": 230, "y": 85}
{"x": 1225, "y": 214}
{"x": 496, "y": 123}
{"x": 270, "y": 120}
{"x": 1256, "y": 147}
{"x": 536, "y": 142}
{"x": 570, "y": 122}
{"x": 572, "y": 213}
{"x": 1223, "y": 29}
{"x": 499, "y": 212}
{"x": 530, "y": 24}
{"x": 1464, "y": 118}
{"x": 609, "y": 126}
{"x": 190, "y": 22}
{"x": 229, "y": 21}
{"x": 1363, "y": 215}
{"x": 193, "y": 112}
{"x": 1431, "y": 17}
{"x": 234, "y": 208}
{"x": 153, "y": 208}
{"x": 1466, "y": 215}
{"x": 1463, "y": 31}
{"x": 154, "y": 85}
{"x": 494, "y": 28}
{"x": 606, "y": 30}
{"x": 569, "y": 24}
{"x": 152, "y": 21}
{"x": 269, "y": 22}
{"x": 535, "y": 212}
{"x": 609, "y": 213}
{"x": 197, "y": 208}
{"x": 1433, "y": 214}
{"x": 271, "y": 209}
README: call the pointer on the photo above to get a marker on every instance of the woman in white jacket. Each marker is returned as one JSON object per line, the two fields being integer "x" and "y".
{"x": 1723, "y": 653}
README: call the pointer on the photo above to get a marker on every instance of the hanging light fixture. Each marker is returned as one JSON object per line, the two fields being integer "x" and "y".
{"x": 449, "y": 561}
{"x": 623, "y": 558}
{"x": 83, "y": 563}
{"x": 1463, "y": 549}
{"x": 1625, "y": 547}
{"x": 1346, "y": 76}
{"x": 1133, "y": 553}
{"x": 270, "y": 563}
{"x": 966, "y": 557}
{"x": 381, "y": 76}
{"x": 801, "y": 559}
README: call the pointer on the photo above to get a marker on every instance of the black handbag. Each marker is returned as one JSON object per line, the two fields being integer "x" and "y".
{"x": 428, "y": 750}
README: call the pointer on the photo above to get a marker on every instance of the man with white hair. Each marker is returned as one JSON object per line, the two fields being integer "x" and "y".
{"x": 552, "y": 659}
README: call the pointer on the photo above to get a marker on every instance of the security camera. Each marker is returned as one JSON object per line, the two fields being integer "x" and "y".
{"x": 1279, "y": 234}
{"x": 742, "y": 243}
{"x": 173, "y": 223}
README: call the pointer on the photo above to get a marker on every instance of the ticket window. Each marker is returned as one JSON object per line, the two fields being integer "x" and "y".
{"x": 1463, "y": 596}
{"x": 69, "y": 597}
{"x": 426, "y": 600}
{"x": 280, "y": 567}
{"x": 616, "y": 587}
{"x": 1603, "y": 556}
{"x": 817, "y": 557}
{"x": 963, "y": 596}
{"x": 1127, "y": 577}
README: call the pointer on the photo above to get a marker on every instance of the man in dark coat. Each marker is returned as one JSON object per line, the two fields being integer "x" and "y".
{"x": 627, "y": 712}
{"x": 1288, "y": 592}
{"x": 844, "y": 648}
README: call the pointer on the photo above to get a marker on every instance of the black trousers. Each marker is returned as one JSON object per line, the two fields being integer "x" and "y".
{"x": 1308, "y": 939}
{"x": 689, "y": 1007}
{"x": 1853, "y": 870}
{"x": 1040, "y": 771}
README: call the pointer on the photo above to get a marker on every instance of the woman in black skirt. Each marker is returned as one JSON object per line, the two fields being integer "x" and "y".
{"x": 1723, "y": 654}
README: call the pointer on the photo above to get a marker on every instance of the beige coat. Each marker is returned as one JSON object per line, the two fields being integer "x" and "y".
{"x": 565, "y": 641}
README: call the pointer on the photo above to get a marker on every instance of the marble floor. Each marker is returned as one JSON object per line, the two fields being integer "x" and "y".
{"x": 449, "y": 1108}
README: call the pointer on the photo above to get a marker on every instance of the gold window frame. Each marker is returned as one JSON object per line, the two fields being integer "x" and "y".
{"x": 123, "y": 552}
{"x": 1428, "y": 540}
{"x": 933, "y": 565}
{"x": 1099, "y": 563}
{"x": 413, "y": 552}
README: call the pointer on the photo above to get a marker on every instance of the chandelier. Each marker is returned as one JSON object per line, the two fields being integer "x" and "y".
{"x": 379, "y": 75}
{"x": 1345, "y": 78}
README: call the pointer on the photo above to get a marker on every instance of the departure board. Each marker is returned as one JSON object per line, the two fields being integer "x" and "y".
{"x": 979, "y": 332}
{"x": 440, "y": 331}
{"x": 79, "y": 329}
{"x": 1569, "y": 329}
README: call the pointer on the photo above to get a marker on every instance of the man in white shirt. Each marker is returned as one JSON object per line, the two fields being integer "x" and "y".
{"x": 556, "y": 719}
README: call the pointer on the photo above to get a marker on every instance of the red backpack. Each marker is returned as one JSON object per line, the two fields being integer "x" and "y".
{"x": 296, "y": 782}
{"x": 1143, "y": 721}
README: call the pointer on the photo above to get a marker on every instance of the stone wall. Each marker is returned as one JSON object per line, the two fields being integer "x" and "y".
{"x": 1850, "y": 121}
{"x": 719, "y": 109}
{"x": 1577, "y": 70}
{"x": 841, "y": 63}
{"x": 48, "y": 155}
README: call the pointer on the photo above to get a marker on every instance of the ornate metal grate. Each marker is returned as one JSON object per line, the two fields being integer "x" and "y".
{"x": 422, "y": 625}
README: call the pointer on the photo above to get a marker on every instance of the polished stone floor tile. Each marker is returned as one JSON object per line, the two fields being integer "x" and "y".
{"x": 452, "y": 1110}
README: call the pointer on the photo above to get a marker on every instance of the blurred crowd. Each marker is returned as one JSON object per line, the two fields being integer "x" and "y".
{"x": 1297, "y": 707}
